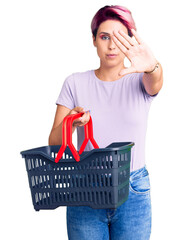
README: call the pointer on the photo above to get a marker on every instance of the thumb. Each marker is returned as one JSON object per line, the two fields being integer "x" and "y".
{"x": 126, "y": 71}
{"x": 79, "y": 109}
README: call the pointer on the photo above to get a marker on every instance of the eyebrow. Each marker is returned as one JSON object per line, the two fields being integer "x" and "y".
{"x": 105, "y": 33}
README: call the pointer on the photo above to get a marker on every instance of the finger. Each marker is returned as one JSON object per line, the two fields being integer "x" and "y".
{"x": 128, "y": 38}
{"x": 121, "y": 39}
{"x": 82, "y": 119}
{"x": 119, "y": 45}
{"x": 136, "y": 35}
{"x": 85, "y": 118}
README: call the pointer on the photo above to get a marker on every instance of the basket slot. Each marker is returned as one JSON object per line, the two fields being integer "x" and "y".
{"x": 107, "y": 197}
{"x": 32, "y": 182}
{"x": 109, "y": 179}
{"x": 60, "y": 198}
{"x": 98, "y": 198}
{"x": 81, "y": 196}
{"x": 32, "y": 163}
{"x": 94, "y": 198}
{"x": 29, "y": 166}
{"x": 87, "y": 181}
{"x": 122, "y": 157}
{"x": 36, "y": 198}
{"x": 69, "y": 196}
{"x": 107, "y": 162}
{"x": 101, "y": 197}
{"x": 36, "y": 163}
{"x": 78, "y": 181}
{"x": 53, "y": 200}
{"x": 44, "y": 181}
{"x": 46, "y": 199}
{"x": 111, "y": 161}
{"x": 99, "y": 180}
{"x": 105, "y": 180}
{"x": 61, "y": 184}
{"x": 66, "y": 196}
{"x": 74, "y": 197}
{"x": 66, "y": 181}
{"x": 40, "y": 162}
{"x": 90, "y": 178}
{"x": 62, "y": 181}
{"x": 104, "y": 159}
{"x": 95, "y": 180}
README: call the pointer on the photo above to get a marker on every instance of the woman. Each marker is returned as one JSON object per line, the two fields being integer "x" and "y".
{"x": 119, "y": 99}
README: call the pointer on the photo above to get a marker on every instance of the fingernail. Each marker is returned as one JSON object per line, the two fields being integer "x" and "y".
{"x": 80, "y": 118}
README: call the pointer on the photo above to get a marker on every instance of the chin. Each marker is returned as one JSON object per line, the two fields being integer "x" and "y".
{"x": 113, "y": 63}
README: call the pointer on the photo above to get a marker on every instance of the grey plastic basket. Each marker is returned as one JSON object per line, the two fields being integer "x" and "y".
{"x": 99, "y": 180}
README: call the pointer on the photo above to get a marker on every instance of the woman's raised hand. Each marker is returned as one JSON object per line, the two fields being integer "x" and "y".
{"x": 138, "y": 53}
{"x": 80, "y": 121}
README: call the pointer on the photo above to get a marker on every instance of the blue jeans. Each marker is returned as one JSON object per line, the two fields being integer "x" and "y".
{"x": 130, "y": 221}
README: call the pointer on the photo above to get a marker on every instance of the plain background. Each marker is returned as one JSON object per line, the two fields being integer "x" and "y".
{"x": 41, "y": 43}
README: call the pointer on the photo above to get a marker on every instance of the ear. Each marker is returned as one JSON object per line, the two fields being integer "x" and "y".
{"x": 94, "y": 41}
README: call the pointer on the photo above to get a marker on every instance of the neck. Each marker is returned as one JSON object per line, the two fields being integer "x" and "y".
{"x": 109, "y": 74}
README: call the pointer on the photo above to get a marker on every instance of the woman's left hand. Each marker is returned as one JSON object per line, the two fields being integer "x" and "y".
{"x": 138, "y": 53}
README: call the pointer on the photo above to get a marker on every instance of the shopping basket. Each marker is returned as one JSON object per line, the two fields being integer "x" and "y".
{"x": 61, "y": 176}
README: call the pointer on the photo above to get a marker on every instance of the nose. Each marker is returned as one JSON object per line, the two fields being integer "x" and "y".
{"x": 112, "y": 45}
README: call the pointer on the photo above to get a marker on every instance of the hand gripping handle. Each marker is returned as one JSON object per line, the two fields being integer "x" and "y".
{"x": 88, "y": 136}
{"x": 67, "y": 136}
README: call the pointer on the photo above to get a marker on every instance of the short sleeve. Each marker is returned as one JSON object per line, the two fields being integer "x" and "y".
{"x": 146, "y": 95}
{"x": 66, "y": 97}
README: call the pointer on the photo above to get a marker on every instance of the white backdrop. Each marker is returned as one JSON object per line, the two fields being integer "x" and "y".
{"x": 41, "y": 43}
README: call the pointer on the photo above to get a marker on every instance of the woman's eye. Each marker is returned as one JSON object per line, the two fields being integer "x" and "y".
{"x": 105, "y": 37}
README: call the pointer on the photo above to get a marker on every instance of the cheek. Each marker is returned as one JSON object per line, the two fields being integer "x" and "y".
{"x": 102, "y": 48}
{"x": 100, "y": 51}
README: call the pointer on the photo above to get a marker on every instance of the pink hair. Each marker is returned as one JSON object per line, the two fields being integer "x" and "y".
{"x": 116, "y": 12}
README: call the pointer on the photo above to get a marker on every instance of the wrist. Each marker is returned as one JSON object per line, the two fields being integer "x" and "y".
{"x": 154, "y": 69}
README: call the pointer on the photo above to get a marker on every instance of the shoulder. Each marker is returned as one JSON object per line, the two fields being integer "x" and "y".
{"x": 81, "y": 75}
{"x": 78, "y": 77}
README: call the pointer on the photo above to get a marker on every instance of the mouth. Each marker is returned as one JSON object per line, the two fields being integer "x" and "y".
{"x": 111, "y": 55}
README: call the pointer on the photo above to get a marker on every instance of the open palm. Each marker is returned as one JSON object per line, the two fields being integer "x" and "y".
{"x": 138, "y": 53}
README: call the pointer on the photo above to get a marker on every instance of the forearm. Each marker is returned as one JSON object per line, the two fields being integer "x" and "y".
{"x": 153, "y": 81}
{"x": 55, "y": 137}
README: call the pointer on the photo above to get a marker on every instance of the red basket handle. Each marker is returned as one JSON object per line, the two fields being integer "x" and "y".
{"x": 64, "y": 139}
{"x": 67, "y": 136}
{"x": 88, "y": 136}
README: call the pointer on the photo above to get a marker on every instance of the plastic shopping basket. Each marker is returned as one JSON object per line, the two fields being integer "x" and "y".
{"x": 61, "y": 176}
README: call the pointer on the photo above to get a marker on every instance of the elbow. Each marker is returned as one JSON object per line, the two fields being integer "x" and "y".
{"x": 50, "y": 140}
{"x": 54, "y": 140}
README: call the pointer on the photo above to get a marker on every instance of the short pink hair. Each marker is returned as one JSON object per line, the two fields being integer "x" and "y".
{"x": 116, "y": 12}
